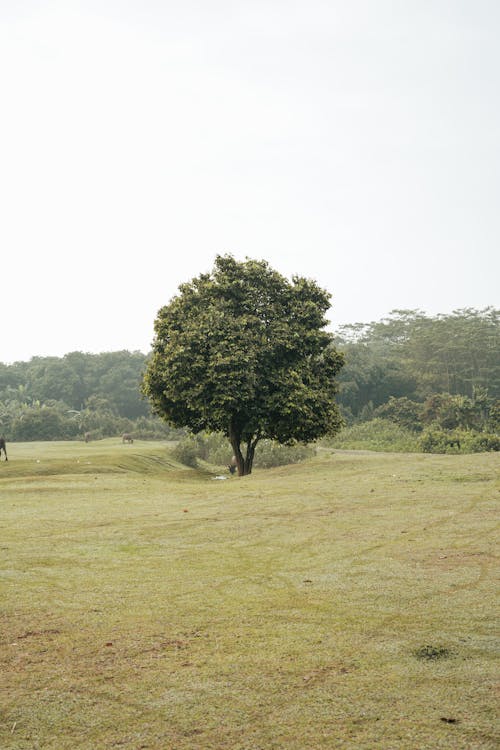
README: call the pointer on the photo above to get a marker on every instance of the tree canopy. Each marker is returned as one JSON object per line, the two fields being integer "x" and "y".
{"x": 409, "y": 354}
{"x": 62, "y": 398}
{"x": 243, "y": 351}
{"x": 420, "y": 372}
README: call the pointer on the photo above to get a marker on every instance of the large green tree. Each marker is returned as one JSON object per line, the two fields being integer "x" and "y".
{"x": 243, "y": 351}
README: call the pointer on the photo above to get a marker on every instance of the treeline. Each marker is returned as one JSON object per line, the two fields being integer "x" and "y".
{"x": 62, "y": 398}
{"x": 438, "y": 376}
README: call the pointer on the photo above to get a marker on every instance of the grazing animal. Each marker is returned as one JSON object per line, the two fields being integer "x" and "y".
{"x": 86, "y": 437}
{"x": 3, "y": 447}
{"x": 127, "y": 438}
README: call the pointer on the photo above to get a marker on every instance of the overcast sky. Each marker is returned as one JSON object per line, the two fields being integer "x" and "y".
{"x": 356, "y": 142}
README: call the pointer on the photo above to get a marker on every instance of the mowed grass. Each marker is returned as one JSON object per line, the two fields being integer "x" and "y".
{"x": 346, "y": 602}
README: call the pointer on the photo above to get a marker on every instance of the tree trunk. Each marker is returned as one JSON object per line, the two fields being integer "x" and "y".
{"x": 251, "y": 445}
{"x": 235, "y": 440}
{"x": 244, "y": 463}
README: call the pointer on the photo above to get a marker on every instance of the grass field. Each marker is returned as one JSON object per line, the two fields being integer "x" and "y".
{"x": 346, "y": 602}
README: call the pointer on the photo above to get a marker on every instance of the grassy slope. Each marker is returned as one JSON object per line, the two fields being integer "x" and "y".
{"x": 145, "y": 605}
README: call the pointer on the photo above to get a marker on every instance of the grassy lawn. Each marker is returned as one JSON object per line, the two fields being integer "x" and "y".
{"x": 346, "y": 602}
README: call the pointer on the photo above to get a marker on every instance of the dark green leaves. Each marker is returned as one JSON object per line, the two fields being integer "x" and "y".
{"x": 243, "y": 350}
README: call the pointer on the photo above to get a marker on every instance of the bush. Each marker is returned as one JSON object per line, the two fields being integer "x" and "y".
{"x": 376, "y": 435}
{"x": 153, "y": 428}
{"x": 43, "y": 423}
{"x": 437, "y": 440}
{"x": 269, "y": 453}
{"x": 215, "y": 449}
{"x": 493, "y": 422}
{"x": 403, "y": 412}
{"x": 480, "y": 442}
{"x": 383, "y": 435}
{"x": 187, "y": 452}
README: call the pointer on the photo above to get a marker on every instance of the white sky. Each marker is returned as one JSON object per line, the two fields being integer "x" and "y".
{"x": 355, "y": 142}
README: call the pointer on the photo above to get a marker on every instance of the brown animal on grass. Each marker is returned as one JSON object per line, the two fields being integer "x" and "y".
{"x": 127, "y": 438}
{"x": 3, "y": 447}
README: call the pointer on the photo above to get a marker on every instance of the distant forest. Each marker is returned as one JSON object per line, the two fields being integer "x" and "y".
{"x": 421, "y": 372}
{"x": 422, "y": 383}
{"x": 62, "y": 398}
{"x": 409, "y": 354}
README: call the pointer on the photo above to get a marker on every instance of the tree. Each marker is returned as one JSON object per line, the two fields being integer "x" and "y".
{"x": 409, "y": 354}
{"x": 403, "y": 412}
{"x": 242, "y": 350}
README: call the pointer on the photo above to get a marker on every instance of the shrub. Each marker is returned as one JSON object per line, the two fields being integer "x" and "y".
{"x": 403, "y": 412}
{"x": 270, "y": 453}
{"x": 187, "y": 452}
{"x": 43, "y": 423}
{"x": 480, "y": 442}
{"x": 376, "y": 435}
{"x": 437, "y": 440}
{"x": 494, "y": 416}
{"x": 215, "y": 449}
{"x": 153, "y": 428}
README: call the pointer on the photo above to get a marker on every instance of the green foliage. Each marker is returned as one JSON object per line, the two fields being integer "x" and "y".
{"x": 460, "y": 412}
{"x": 480, "y": 442}
{"x": 273, "y": 454}
{"x": 437, "y": 440}
{"x": 215, "y": 449}
{"x": 187, "y": 451}
{"x": 372, "y": 374}
{"x": 493, "y": 421}
{"x": 77, "y": 379}
{"x": 152, "y": 428}
{"x": 438, "y": 376}
{"x": 402, "y": 411}
{"x": 384, "y": 435}
{"x": 419, "y": 372}
{"x": 52, "y": 398}
{"x": 409, "y": 354}
{"x": 367, "y": 412}
{"x": 242, "y": 351}
{"x": 376, "y": 435}
{"x": 43, "y": 423}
